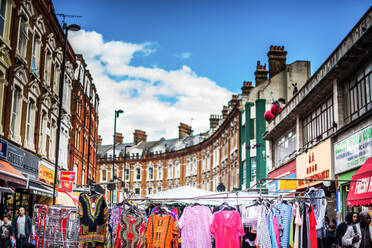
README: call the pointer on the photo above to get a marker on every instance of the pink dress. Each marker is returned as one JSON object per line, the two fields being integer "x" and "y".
{"x": 195, "y": 225}
{"x": 227, "y": 229}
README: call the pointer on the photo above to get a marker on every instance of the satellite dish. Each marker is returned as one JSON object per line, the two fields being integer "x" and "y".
{"x": 327, "y": 183}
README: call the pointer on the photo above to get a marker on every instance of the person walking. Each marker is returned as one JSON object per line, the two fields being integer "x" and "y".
{"x": 359, "y": 235}
{"x": 21, "y": 228}
{"x": 5, "y": 233}
{"x": 350, "y": 218}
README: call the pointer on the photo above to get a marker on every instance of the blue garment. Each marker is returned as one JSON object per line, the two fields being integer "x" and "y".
{"x": 271, "y": 230}
{"x": 283, "y": 213}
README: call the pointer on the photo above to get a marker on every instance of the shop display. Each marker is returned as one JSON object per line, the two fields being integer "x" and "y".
{"x": 94, "y": 216}
{"x": 55, "y": 226}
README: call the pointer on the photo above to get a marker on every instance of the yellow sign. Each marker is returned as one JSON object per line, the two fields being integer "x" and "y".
{"x": 316, "y": 163}
{"x": 46, "y": 175}
{"x": 288, "y": 184}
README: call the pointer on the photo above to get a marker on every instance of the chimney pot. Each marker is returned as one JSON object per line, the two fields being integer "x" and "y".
{"x": 139, "y": 136}
{"x": 277, "y": 60}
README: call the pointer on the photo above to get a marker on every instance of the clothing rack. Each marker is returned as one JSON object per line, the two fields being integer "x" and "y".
{"x": 219, "y": 198}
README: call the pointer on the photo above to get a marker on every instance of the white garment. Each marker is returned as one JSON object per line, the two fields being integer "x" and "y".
{"x": 21, "y": 222}
{"x": 348, "y": 237}
{"x": 263, "y": 235}
{"x": 298, "y": 224}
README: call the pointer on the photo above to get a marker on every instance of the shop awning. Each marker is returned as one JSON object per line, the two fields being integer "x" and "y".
{"x": 6, "y": 190}
{"x": 10, "y": 174}
{"x": 38, "y": 189}
{"x": 360, "y": 193}
{"x": 67, "y": 199}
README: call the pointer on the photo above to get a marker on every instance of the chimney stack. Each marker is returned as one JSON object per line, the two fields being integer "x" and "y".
{"x": 233, "y": 101}
{"x": 247, "y": 86}
{"x": 260, "y": 73}
{"x": 184, "y": 130}
{"x": 277, "y": 60}
{"x": 214, "y": 120}
{"x": 139, "y": 136}
{"x": 99, "y": 140}
{"x": 225, "y": 112}
{"x": 119, "y": 138}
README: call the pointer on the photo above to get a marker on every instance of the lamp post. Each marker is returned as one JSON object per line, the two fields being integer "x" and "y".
{"x": 72, "y": 27}
{"x": 117, "y": 113}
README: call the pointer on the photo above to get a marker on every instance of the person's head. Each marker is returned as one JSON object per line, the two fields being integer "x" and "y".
{"x": 5, "y": 219}
{"x": 365, "y": 218}
{"x": 355, "y": 218}
{"x": 332, "y": 223}
{"x": 326, "y": 220}
{"x": 21, "y": 211}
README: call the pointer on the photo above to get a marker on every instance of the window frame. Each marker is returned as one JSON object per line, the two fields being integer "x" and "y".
{"x": 3, "y": 8}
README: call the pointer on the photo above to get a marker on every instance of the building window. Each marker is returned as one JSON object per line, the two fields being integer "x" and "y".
{"x": 57, "y": 75}
{"x": 104, "y": 174}
{"x": 16, "y": 102}
{"x": 149, "y": 191}
{"x": 194, "y": 167}
{"x": 29, "y": 121}
{"x": 284, "y": 147}
{"x": 2, "y": 16}
{"x": 319, "y": 124}
{"x": 138, "y": 173}
{"x": 126, "y": 176}
{"x": 188, "y": 167}
{"x": 151, "y": 173}
{"x": 170, "y": 169}
{"x": 47, "y": 68}
{"x": 82, "y": 176}
{"x": 36, "y": 46}
{"x": 22, "y": 37}
{"x": 359, "y": 93}
{"x": 177, "y": 169}
{"x": 137, "y": 191}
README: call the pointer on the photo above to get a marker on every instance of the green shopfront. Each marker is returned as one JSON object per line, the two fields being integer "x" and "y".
{"x": 350, "y": 152}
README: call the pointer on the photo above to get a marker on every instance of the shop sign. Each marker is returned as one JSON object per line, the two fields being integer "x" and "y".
{"x": 283, "y": 185}
{"x": 353, "y": 151}
{"x": 66, "y": 185}
{"x": 67, "y": 176}
{"x": 23, "y": 161}
{"x": 46, "y": 175}
{"x": 3, "y": 148}
{"x": 316, "y": 163}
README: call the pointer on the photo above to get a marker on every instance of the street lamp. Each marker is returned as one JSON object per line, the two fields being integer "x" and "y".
{"x": 117, "y": 113}
{"x": 72, "y": 27}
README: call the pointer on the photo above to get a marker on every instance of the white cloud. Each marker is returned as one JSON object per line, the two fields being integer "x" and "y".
{"x": 184, "y": 55}
{"x": 154, "y": 99}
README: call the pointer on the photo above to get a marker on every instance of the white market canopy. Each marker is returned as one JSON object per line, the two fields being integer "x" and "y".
{"x": 189, "y": 195}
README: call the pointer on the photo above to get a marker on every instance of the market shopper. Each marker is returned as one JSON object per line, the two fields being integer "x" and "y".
{"x": 359, "y": 235}
{"x": 5, "y": 233}
{"x": 350, "y": 218}
{"x": 331, "y": 233}
{"x": 21, "y": 228}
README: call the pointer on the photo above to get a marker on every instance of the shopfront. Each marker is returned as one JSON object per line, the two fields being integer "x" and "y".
{"x": 316, "y": 164}
{"x": 28, "y": 165}
{"x": 287, "y": 171}
{"x": 350, "y": 152}
{"x": 46, "y": 179}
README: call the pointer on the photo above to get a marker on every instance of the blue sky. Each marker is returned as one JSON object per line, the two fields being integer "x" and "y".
{"x": 216, "y": 40}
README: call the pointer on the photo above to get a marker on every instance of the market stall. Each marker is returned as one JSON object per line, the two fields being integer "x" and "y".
{"x": 360, "y": 192}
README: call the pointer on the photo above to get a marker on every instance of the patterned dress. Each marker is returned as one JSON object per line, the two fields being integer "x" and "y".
{"x": 161, "y": 231}
{"x": 94, "y": 215}
{"x": 130, "y": 232}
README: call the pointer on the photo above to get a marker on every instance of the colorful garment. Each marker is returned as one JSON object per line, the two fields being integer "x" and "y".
{"x": 195, "y": 225}
{"x": 130, "y": 232}
{"x": 274, "y": 231}
{"x": 94, "y": 215}
{"x": 161, "y": 231}
{"x": 263, "y": 236}
{"x": 312, "y": 225}
{"x": 114, "y": 220}
{"x": 283, "y": 212}
{"x": 227, "y": 229}
{"x": 298, "y": 223}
